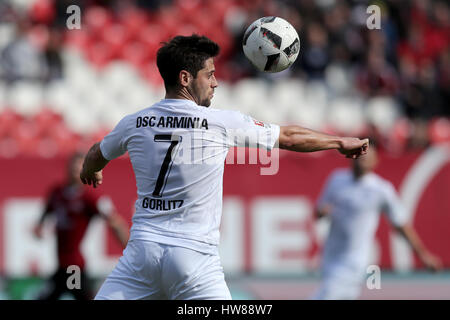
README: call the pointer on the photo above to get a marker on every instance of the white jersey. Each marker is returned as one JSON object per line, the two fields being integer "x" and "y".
{"x": 356, "y": 207}
{"x": 178, "y": 150}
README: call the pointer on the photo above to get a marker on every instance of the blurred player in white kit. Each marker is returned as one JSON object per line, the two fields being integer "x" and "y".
{"x": 177, "y": 148}
{"x": 353, "y": 199}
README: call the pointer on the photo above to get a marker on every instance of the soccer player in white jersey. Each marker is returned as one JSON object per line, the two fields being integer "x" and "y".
{"x": 177, "y": 148}
{"x": 353, "y": 199}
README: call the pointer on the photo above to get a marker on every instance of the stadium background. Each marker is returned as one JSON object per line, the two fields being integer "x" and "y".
{"x": 61, "y": 90}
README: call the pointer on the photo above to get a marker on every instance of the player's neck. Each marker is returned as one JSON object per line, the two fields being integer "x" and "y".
{"x": 357, "y": 175}
{"x": 180, "y": 94}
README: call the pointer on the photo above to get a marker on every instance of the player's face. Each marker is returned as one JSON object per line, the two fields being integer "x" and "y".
{"x": 202, "y": 87}
{"x": 366, "y": 163}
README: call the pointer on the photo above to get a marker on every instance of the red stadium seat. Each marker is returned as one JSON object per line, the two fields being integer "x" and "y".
{"x": 151, "y": 36}
{"x": 97, "y": 19}
{"x": 136, "y": 53}
{"x": 45, "y": 147}
{"x": 28, "y": 146}
{"x": 39, "y": 36}
{"x": 45, "y": 120}
{"x": 69, "y": 145}
{"x": 400, "y": 135}
{"x": 42, "y": 11}
{"x": 188, "y": 7}
{"x": 9, "y": 147}
{"x": 133, "y": 20}
{"x": 439, "y": 130}
{"x": 65, "y": 140}
{"x": 205, "y": 20}
{"x": 79, "y": 39}
{"x": 116, "y": 37}
{"x": 26, "y": 129}
{"x": 169, "y": 19}
{"x": 100, "y": 54}
{"x": 9, "y": 120}
{"x": 187, "y": 29}
{"x": 221, "y": 6}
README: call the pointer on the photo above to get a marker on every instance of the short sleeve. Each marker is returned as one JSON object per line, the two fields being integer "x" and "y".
{"x": 244, "y": 131}
{"x": 392, "y": 206}
{"x": 112, "y": 146}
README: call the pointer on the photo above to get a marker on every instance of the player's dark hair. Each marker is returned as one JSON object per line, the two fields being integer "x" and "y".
{"x": 373, "y": 142}
{"x": 184, "y": 53}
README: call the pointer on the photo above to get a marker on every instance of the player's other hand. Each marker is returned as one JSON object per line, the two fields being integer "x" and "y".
{"x": 353, "y": 148}
{"x": 91, "y": 178}
{"x": 432, "y": 262}
{"x": 323, "y": 211}
{"x": 37, "y": 231}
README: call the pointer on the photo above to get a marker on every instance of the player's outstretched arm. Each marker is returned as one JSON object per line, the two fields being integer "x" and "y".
{"x": 93, "y": 164}
{"x": 37, "y": 230}
{"x": 429, "y": 260}
{"x": 119, "y": 227}
{"x": 299, "y": 139}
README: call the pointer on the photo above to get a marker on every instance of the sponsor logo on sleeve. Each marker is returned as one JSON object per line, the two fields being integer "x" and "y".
{"x": 259, "y": 123}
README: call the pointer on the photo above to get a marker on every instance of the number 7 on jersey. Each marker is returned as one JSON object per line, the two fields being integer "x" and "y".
{"x": 167, "y": 163}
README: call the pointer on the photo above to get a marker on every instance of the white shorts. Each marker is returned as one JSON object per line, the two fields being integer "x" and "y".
{"x": 338, "y": 288}
{"x": 150, "y": 270}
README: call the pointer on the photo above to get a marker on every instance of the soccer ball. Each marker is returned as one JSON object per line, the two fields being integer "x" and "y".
{"x": 271, "y": 44}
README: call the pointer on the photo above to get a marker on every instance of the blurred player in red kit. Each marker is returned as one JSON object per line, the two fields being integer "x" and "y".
{"x": 73, "y": 205}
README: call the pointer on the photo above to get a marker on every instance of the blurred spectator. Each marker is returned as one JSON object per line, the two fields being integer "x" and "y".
{"x": 388, "y": 33}
{"x": 52, "y": 56}
{"x": 444, "y": 81}
{"x": 316, "y": 55}
{"x": 153, "y": 5}
{"x": 21, "y": 60}
{"x": 33, "y": 54}
{"x": 377, "y": 77}
{"x": 421, "y": 95}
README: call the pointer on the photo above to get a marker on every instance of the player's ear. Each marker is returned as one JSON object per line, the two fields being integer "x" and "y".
{"x": 184, "y": 78}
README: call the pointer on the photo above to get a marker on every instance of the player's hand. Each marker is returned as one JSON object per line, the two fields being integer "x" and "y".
{"x": 353, "y": 148}
{"x": 432, "y": 262}
{"x": 37, "y": 231}
{"x": 91, "y": 178}
{"x": 323, "y": 211}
